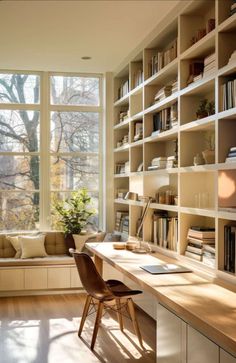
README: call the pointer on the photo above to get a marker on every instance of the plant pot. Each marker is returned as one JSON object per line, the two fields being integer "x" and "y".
{"x": 209, "y": 156}
{"x": 201, "y": 114}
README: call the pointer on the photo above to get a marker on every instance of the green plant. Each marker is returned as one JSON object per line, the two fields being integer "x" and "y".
{"x": 73, "y": 213}
{"x": 210, "y": 107}
{"x": 202, "y": 111}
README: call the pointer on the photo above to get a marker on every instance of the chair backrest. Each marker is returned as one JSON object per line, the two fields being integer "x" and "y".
{"x": 90, "y": 278}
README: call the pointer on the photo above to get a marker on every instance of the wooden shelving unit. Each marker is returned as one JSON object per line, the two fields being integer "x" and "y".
{"x": 188, "y": 136}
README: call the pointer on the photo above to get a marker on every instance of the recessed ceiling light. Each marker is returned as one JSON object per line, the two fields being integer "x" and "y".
{"x": 86, "y": 57}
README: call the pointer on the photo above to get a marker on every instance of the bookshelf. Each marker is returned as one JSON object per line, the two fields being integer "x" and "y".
{"x": 196, "y": 54}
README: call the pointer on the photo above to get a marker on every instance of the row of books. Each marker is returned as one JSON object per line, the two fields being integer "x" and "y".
{"x": 201, "y": 244}
{"x": 229, "y": 248}
{"x": 165, "y": 119}
{"x": 122, "y": 221}
{"x": 137, "y": 78}
{"x": 200, "y": 33}
{"x": 231, "y": 157}
{"x": 166, "y": 91}
{"x": 123, "y": 89}
{"x": 123, "y": 167}
{"x": 229, "y": 94}
{"x": 165, "y": 230}
{"x": 163, "y": 162}
{"x": 161, "y": 59}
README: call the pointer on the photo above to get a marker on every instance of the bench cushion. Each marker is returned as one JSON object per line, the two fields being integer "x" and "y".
{"x": 38, "y": 261}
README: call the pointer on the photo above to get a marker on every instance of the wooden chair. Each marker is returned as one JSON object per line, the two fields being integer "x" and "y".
{"x": 108, "y": 294}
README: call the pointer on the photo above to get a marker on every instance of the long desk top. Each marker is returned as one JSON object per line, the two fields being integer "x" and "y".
{"x": 209, "y": 308}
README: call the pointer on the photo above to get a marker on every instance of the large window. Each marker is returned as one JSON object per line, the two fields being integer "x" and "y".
{"x": 49, "y": 144}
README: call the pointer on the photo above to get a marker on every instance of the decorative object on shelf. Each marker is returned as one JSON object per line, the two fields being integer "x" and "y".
{"x": 124, "y": 115}
{"x": 233, "y": 55}
{"x": 140, "y": 167}
{"x": 133, "y": 196}
{"x": 121, "y": 193}
{"x": 231, "y": 157}
{"x": 198, "y": 160}
{"x": 206, "y": 108}
{"x": 210, "y": 25}
{"x": 138, "y": 130}
{"x": 209, "y": 153}
{"x": 201, "y": 32}
{"x": 165, "y": 195}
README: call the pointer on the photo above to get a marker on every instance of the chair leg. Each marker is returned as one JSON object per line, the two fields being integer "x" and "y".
{"x": 85, "y": 313}
{"x": 134, "y": 320}
{"x": 119, "y": 315}
{"x": 97, "y": 322}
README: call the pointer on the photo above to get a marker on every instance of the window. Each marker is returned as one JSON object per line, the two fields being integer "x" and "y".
{"x": 49, "y": 146}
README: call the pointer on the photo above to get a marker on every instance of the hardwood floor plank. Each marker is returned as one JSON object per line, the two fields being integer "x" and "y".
{"x": 43, "y": 329}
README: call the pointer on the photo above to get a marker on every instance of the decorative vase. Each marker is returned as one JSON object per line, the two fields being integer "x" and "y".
{"x": 209, "y": 156}
{"x": 198, "y": 160}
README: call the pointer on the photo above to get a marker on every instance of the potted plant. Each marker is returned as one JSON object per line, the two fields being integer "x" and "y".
{"x": 210, "y": 108}
{"x": 73, "y": 214}
{"x": 209, "y": 153}
{"x": 202, "y": 109}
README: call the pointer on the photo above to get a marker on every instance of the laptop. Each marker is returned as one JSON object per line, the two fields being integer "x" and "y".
{"x": 167, "y": 268}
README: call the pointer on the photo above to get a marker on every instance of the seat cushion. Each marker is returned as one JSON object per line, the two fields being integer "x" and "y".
{"x": 121, "y": 290}
{"x": 38, "y": 261}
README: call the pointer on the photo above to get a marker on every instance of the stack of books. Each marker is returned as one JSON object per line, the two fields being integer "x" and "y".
{"x": 120, "y": 215}
{"x": 198, "y": 238}
{"x": 229, "y": 94}
{"x": 125, "y": 225}
{"x": 166, "y": 91}
{"x": 171, "y": 162}
{"x": 158, "y": 163}
{"x": 123, "y": 115}
{"x": 209, "y": 64}
{"x": 231, "y": 157}
{"x": 165, "y": 230}
{"x": 209, "y": 255}
{"x": 233, "y": 8}
{"x": 229, "y": 248}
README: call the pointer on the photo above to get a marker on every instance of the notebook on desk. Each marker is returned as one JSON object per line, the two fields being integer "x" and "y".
{"x": 167, "y": 268}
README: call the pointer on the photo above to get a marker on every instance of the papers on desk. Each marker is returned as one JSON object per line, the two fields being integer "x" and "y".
{"x": 168, "y": 268}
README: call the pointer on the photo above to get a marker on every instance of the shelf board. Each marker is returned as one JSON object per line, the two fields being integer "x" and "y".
{"x": 228, "y": 114}
{"x": 121, "y": 201}
{"x": 227, "y": 215}
{"x": 166, "y": 73}
{"x": 121, "y": 175}
{"x": 164, "y": 135}
{"x": 198, "y": 211}
{"x": 201, "y": 48}
{"x": 228, "y": 69}
{"x": 123, "y": 148}
{"x": 200, "y": 124}
{"x": 228, "y": 25}
{"x": 198, "y": 168}
{"x": 122, "y": 101}
{"x": 137, "y": 143}
{"x": 137, "y": 116}
{"x": 227, "y": 166}
{"x": 168, "y": 101}
{"x": 161, "y": 171}
{"x": 167, "y": 207}
{"x": 123, "y": 124}
{"x": 199, "y": 87}
{"x": 136, "y": 90}
{"x": 136, "y": 173}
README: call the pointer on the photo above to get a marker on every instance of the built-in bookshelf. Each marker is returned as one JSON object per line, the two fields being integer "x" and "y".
{"x": 174, "y": 136}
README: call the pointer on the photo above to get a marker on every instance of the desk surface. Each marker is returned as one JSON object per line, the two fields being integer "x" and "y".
{"x": 207, "y": 307}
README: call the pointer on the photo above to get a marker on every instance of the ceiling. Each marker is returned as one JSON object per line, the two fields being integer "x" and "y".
{"x": 54, "y": 35}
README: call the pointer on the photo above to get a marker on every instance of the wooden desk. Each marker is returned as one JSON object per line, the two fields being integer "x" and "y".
{"x": 207, "y": 307}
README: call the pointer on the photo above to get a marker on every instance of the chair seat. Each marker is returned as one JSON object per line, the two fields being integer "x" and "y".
{"x": 121, "y": 290}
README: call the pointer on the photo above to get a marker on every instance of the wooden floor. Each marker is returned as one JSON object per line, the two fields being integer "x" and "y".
{"x": 43, "y": 329}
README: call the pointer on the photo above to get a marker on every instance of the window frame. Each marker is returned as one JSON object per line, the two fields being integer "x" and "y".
{"x": 45, "y": 108}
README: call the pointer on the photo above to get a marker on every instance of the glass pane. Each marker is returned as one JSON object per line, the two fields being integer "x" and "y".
{"x": 75, "y": 90}
{"x": 19, "y": 88}
{"x": 74, "y": 131}
{"x": 19, "y": 172}
{"x": 62, "y": 196}
{"x": 19, "y": 131}
{"x": 74, "y": 172}
{"x": 19, "y": 211}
